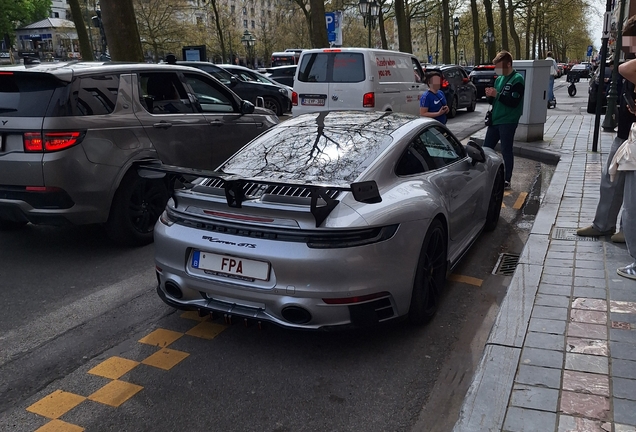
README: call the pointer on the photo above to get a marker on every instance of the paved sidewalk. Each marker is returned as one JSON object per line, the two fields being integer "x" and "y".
{"x": 561, "y": 355}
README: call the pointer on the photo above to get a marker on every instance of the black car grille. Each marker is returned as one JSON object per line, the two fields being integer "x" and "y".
{"x": 257, "y": 190}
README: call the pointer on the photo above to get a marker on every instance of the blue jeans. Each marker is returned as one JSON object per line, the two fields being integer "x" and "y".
{"x": 506, "y": 134}
{"x": 551, "y": 89}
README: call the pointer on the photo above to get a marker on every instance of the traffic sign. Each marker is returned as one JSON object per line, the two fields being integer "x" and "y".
{"x": 590, "y": 48}
{"x": 607, "y": 25}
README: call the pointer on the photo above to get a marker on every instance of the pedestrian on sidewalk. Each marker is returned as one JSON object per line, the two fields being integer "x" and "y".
{"x": 628, "y": 70}
{"x": 506, "y": 98}
{"x": 433, "y": 102}
{"x": 553, "y": 74}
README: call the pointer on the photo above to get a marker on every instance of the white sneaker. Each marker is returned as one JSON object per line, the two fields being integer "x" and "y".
{"x": 628, "y": 271}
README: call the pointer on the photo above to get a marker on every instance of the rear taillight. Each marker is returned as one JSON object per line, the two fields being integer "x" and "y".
{"x": 294, "y": 98}
{"x": 368, "y": 100}
{"x": 445, "y": 84}
{"x": 50, "y": 141}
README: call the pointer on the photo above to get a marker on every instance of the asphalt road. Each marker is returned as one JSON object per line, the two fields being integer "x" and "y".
{"x": 75, "y": 309}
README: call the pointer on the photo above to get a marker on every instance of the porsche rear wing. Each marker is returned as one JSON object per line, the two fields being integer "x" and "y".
{"x": 365, "y": 192}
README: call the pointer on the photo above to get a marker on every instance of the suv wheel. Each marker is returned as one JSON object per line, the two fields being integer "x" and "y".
{"x": 272, "y": 104}
{"x": 452, "y": 109}
{"x": 137, "y": 205}
{"x": 473, "y": 104}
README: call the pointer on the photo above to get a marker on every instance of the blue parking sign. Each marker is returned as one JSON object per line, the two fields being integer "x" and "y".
{"x": 430, "y": 58}
{"x": 330, "y": 17}
{"x": 589, "y": 50}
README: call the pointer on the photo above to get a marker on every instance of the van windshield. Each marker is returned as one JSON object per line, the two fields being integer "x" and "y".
{"x": 332, "y": 67}
{"x": 26, "y": 94}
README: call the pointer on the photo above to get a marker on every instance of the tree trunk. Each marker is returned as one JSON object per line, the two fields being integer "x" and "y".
{"x": 492, "y": 47}
{"x": 528, "y": 24}
{"x": 446, "y": 32}
{"x": 219, "y": 28}
{"x": 86, "y": 50}
{"x": 504, "y": 25}
{"x": 476, "y": 32}
{"x": 404, "y": 42}
{"x": 513, "y": 32}
{"x": 534, "y": 33}
{"x": 385, "y": 44}
{"x": 319, "y": 38}
{"x": 121, "y": 30}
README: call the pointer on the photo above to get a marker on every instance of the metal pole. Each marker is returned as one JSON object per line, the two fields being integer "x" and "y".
{"x": 609, "y": 123}
{"x": 601, "y": 80}
{"x": 369, "y": 24}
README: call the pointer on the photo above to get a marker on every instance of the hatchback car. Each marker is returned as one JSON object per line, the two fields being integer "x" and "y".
{"x": 283, "y": 74}
{"x": 250, "y": 75}
{"x": 274, "y": 97}
{"x": 73, "y": 134}
{"x": 459, "y": 91}
{"x": 483, "y": 76}
{"x": 330, "y": 219}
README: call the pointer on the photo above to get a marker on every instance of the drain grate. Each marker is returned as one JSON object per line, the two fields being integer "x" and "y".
{"x": 506, "y": 264}
{"x": 569, "y": 234}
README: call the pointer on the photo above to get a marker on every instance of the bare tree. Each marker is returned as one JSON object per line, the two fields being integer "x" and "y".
{"x": 121, "y": 30}
{"x": 86, "y": 50}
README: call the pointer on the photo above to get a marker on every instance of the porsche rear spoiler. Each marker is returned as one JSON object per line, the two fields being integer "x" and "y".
{"x": 365, "y": 192}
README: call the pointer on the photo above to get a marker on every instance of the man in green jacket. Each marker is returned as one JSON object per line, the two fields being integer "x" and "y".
{"x": 506, "y": 98}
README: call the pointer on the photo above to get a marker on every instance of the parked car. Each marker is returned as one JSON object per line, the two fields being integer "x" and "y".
{"x": 299, "y": 227}
{"x": 73, "y": 135}
{"x": 560, "y": 70}
{"x": 459, "y": 91}
{"x": 283, "y": 74}
{"x": 274, "y": 97}
{"x": 250, "y": 75}
{"x": 357, "y": 79}
{"x": 483, "y": 76}
{"x": 468, "y": 69}
{"x": 593, "y": 90}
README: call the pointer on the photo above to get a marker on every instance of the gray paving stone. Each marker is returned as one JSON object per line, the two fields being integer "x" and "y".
{"x": 624, "y": 368}
{"x": 590, "y": 273}
{"x": 598, "y": 293}
{"x": 625, "y": 411}
{"x": 541, "y": 325}
{"x": 597, "y": 264}
{"x": 586, "y": 363}
{"x": 622, "y": 350}
{"x": 630, "y": 318}
{"x": 552, "y": 254}
{"x": 552, "y": 300}
{"x": 556, "y": 279}
{"x": 622, "y": 335}
{"x": 623, "y": 294}
{"x": 542, "y": 357}
{"x": 539, "y": 376}
{"x": 539, "y": 398}
{"x": 526, "y": 420}
{"x": 582, "y": 281}
{"x": 624, "y": 388}
{"x": 547, "y": 312}
{"x": 560, "y": 290}
{"x": 545, "y": 341}
{"x": 558, "y": 271}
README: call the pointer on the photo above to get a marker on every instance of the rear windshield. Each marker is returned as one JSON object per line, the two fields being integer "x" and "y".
{"x": 26, "y": 94}
{"x": 332, "y": 67}
{"x": 333, "y": 155}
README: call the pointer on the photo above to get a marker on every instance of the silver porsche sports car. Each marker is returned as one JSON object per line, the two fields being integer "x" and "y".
{"x": 327, "y": 220}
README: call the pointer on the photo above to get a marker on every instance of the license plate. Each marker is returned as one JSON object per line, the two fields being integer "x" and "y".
{"x": 230, "y": 265}
{"x": 484, "y": 80}
{"x": 314, "y": 102}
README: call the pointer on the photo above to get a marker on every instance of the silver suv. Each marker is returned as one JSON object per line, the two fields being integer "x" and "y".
{"x": 72, "y": 136}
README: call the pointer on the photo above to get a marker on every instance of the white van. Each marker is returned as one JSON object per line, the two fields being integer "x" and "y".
{"x": 357, "y": 79}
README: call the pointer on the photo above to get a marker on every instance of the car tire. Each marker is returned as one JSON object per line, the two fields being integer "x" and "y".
{"x": 473, "y": 104}
{"x": 494, "y": 205}
{"x": 272, "y": 104}
{"x": 591, "y": 106}
{"x": 452, "y": 109}
{"x": 572, "y": 90}
{"x": 137, "y": 205}
{"x": 9, "y": 225}
{"x": 430, "y": 275}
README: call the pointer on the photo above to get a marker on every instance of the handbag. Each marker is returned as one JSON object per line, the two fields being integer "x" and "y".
{"x": 625, "y": 157}
{"x": 488, "y": 118}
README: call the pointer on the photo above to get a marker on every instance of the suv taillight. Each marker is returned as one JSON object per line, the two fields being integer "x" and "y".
{"x": 294, "y": 98}
{"x": 49, "y": 141}
{"x": 445, "y": 84}
{"x": 368, "y": 100}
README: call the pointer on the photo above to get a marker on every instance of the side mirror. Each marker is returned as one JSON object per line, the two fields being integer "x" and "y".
{"x": 233, "y": 81}
{"x": 475, "y": 151}
{"x": 247, "y": 107}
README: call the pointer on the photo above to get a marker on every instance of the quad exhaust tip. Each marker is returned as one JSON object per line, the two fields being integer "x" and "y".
{"x": 296, "y": 315}
{"x": 174, "y": 290}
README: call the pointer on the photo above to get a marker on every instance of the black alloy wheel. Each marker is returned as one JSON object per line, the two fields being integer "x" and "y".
{"x": 494, "y": 205}
{"x": 473, "y": 104}
{"x": 430, "y": 277}
{"x": 452, "y": 109}
{"x": 272, "y": 104}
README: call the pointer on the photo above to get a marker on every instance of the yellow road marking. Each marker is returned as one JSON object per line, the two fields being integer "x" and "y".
{"x": 56, "y": 404}
{"x": 165, "y": 358}
{"x": 115, "y": 393}
{"x": 206, "y": 330}
{"x": 59, "y": 426}
{"x": 114, "y": 367}
{"x": 507, "y": 193}
{"x": 465, "y": 279}
{"x": 194, "y": 315}
{"x": 520, "y": 200}
{"x": 161, "y": 338}
{"x": 503, "y": 205}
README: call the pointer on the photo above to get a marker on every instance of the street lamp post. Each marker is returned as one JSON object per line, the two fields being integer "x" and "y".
{"x": 488, "y": 39}
{"x": 369, "y": 10}
{"x": 455, "y": 34}
{"x": 248, "y": 40}
{"x": 610, "y": 122}
{"x": 436, "y": 56}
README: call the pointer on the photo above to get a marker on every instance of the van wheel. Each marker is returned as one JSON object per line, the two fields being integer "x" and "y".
{"x": 473, "y": 104}
{"x": 272, "y": 104}
{"x": 452, "y": 109}
{"x": 9, "y": 225}
{"x": 430, "y": 276}
{"x": 137, "y": 205}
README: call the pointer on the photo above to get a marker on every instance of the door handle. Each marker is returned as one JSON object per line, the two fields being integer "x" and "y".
{"x": 162, "y": 125}
{"x": 217, "y": 123}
